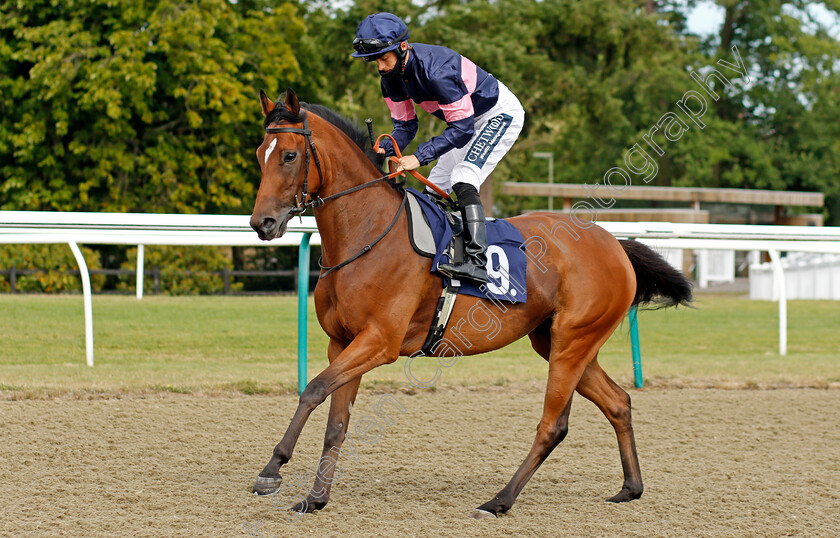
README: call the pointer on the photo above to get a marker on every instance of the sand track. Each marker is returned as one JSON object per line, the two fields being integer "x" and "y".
{"x": 715, "y": 463}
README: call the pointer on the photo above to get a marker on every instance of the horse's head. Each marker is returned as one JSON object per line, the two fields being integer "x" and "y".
{"x": 285, "y": 156}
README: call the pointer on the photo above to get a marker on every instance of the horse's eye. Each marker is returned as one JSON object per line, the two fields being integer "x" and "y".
{"x": 289, "y": 156}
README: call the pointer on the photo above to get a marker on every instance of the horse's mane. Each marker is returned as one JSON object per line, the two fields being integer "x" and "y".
{"x": 357, "y": 134}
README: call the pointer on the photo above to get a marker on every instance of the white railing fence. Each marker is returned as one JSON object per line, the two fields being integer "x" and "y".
{"x": 234, "y": 230}
{"x": 807, "y": 276}
{"x": 44, "y": 227}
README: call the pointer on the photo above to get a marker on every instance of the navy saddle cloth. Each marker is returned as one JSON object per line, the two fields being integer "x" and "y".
{"x": 431, "y": 235}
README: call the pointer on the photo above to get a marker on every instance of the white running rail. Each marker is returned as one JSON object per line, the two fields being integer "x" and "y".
{"x": 45, "y": 227}
{"x": 234, "y": 230}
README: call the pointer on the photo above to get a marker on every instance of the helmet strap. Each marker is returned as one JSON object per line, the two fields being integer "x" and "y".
{"x": 401, "y": 56}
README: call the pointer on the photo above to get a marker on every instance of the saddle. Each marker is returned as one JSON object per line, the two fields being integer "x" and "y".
{"x": 420, "y": 231}
{"x": 437, "y": 232}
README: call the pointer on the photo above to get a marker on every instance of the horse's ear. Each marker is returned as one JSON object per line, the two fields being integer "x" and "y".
{"x": 292, "y": 103}
{"x": 266, "y": 103}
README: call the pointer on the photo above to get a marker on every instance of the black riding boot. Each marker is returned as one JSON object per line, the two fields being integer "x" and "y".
{"x": 474, "y": 268}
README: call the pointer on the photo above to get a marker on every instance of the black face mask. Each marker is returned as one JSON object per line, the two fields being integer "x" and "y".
{"x": 393, "y": 73}
{"x": 398, "y": 69}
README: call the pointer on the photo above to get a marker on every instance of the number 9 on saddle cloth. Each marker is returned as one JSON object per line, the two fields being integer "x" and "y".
{"x": 438, "y": 234}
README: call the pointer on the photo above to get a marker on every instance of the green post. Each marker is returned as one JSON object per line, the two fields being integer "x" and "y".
{"x": 303, "y": 307}
{"x": 634, "y": 344}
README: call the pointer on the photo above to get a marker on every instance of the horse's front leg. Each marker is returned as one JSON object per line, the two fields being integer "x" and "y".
{"x": 367, "y": 351}
{"x": 341, "y": 402}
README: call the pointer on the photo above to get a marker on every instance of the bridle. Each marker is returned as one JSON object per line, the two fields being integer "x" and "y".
{"x": 303, "y": 204}
{"x": 308, "y": 200}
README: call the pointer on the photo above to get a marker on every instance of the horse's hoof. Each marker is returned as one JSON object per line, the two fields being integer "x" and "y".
{"x": 478, "y": 513}
{"x": 308, "y": 506}
{"x": 625, "y": 495}
{"x": 266, "y": 485}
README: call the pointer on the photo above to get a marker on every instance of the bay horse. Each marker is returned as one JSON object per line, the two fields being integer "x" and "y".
{"x": 580, "y": 285}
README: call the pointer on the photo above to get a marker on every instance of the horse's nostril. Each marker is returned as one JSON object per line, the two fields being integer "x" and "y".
{"x": 264, "y": 227}
{"x": 267, "y": 225}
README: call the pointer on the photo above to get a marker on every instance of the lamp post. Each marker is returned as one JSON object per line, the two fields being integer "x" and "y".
{"x": 550, "y": 156}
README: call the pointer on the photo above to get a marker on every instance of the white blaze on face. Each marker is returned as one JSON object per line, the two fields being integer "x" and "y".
{"x": 270, "y": 149}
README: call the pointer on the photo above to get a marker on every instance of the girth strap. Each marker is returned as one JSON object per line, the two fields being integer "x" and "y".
{"x": 443, "y": 312}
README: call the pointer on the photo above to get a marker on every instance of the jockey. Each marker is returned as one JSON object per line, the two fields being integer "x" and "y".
{"x": 483, "y": 119}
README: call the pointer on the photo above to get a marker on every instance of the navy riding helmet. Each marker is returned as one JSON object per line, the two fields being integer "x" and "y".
{"x": 379, "y": 33}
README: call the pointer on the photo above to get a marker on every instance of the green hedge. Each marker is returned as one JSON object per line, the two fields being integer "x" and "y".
{"x": 56, "y": 259}
{"x": 183, "y": 270}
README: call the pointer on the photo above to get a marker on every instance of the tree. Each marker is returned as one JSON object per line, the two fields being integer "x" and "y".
{"x": 780, "y": 131}
{"x": 137, "y": 106}
{"x": 592, "y": 77}
{"x": 150, "y": 107}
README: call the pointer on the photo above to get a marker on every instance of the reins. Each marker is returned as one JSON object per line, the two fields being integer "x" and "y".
{"x": 397, "y": 156}
{"x": 308, "y": 200}
{"x": 328, "y": 269}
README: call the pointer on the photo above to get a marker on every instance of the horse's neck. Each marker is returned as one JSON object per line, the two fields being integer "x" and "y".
{"x": 349, "y": 222}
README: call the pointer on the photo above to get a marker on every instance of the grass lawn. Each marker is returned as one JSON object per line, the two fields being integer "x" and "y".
{"x": 249, "y": 344}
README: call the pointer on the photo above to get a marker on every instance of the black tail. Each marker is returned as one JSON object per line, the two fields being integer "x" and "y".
{"x": 658, "y": 285}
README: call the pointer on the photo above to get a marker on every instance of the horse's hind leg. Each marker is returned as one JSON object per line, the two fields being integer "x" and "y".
{"x": 553, "y": 427}
{"x": 541, "y": 342}
{"x": 596, "y": 386}
{"x": 565, "y": 367}
{"x": 614, "y": 402}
